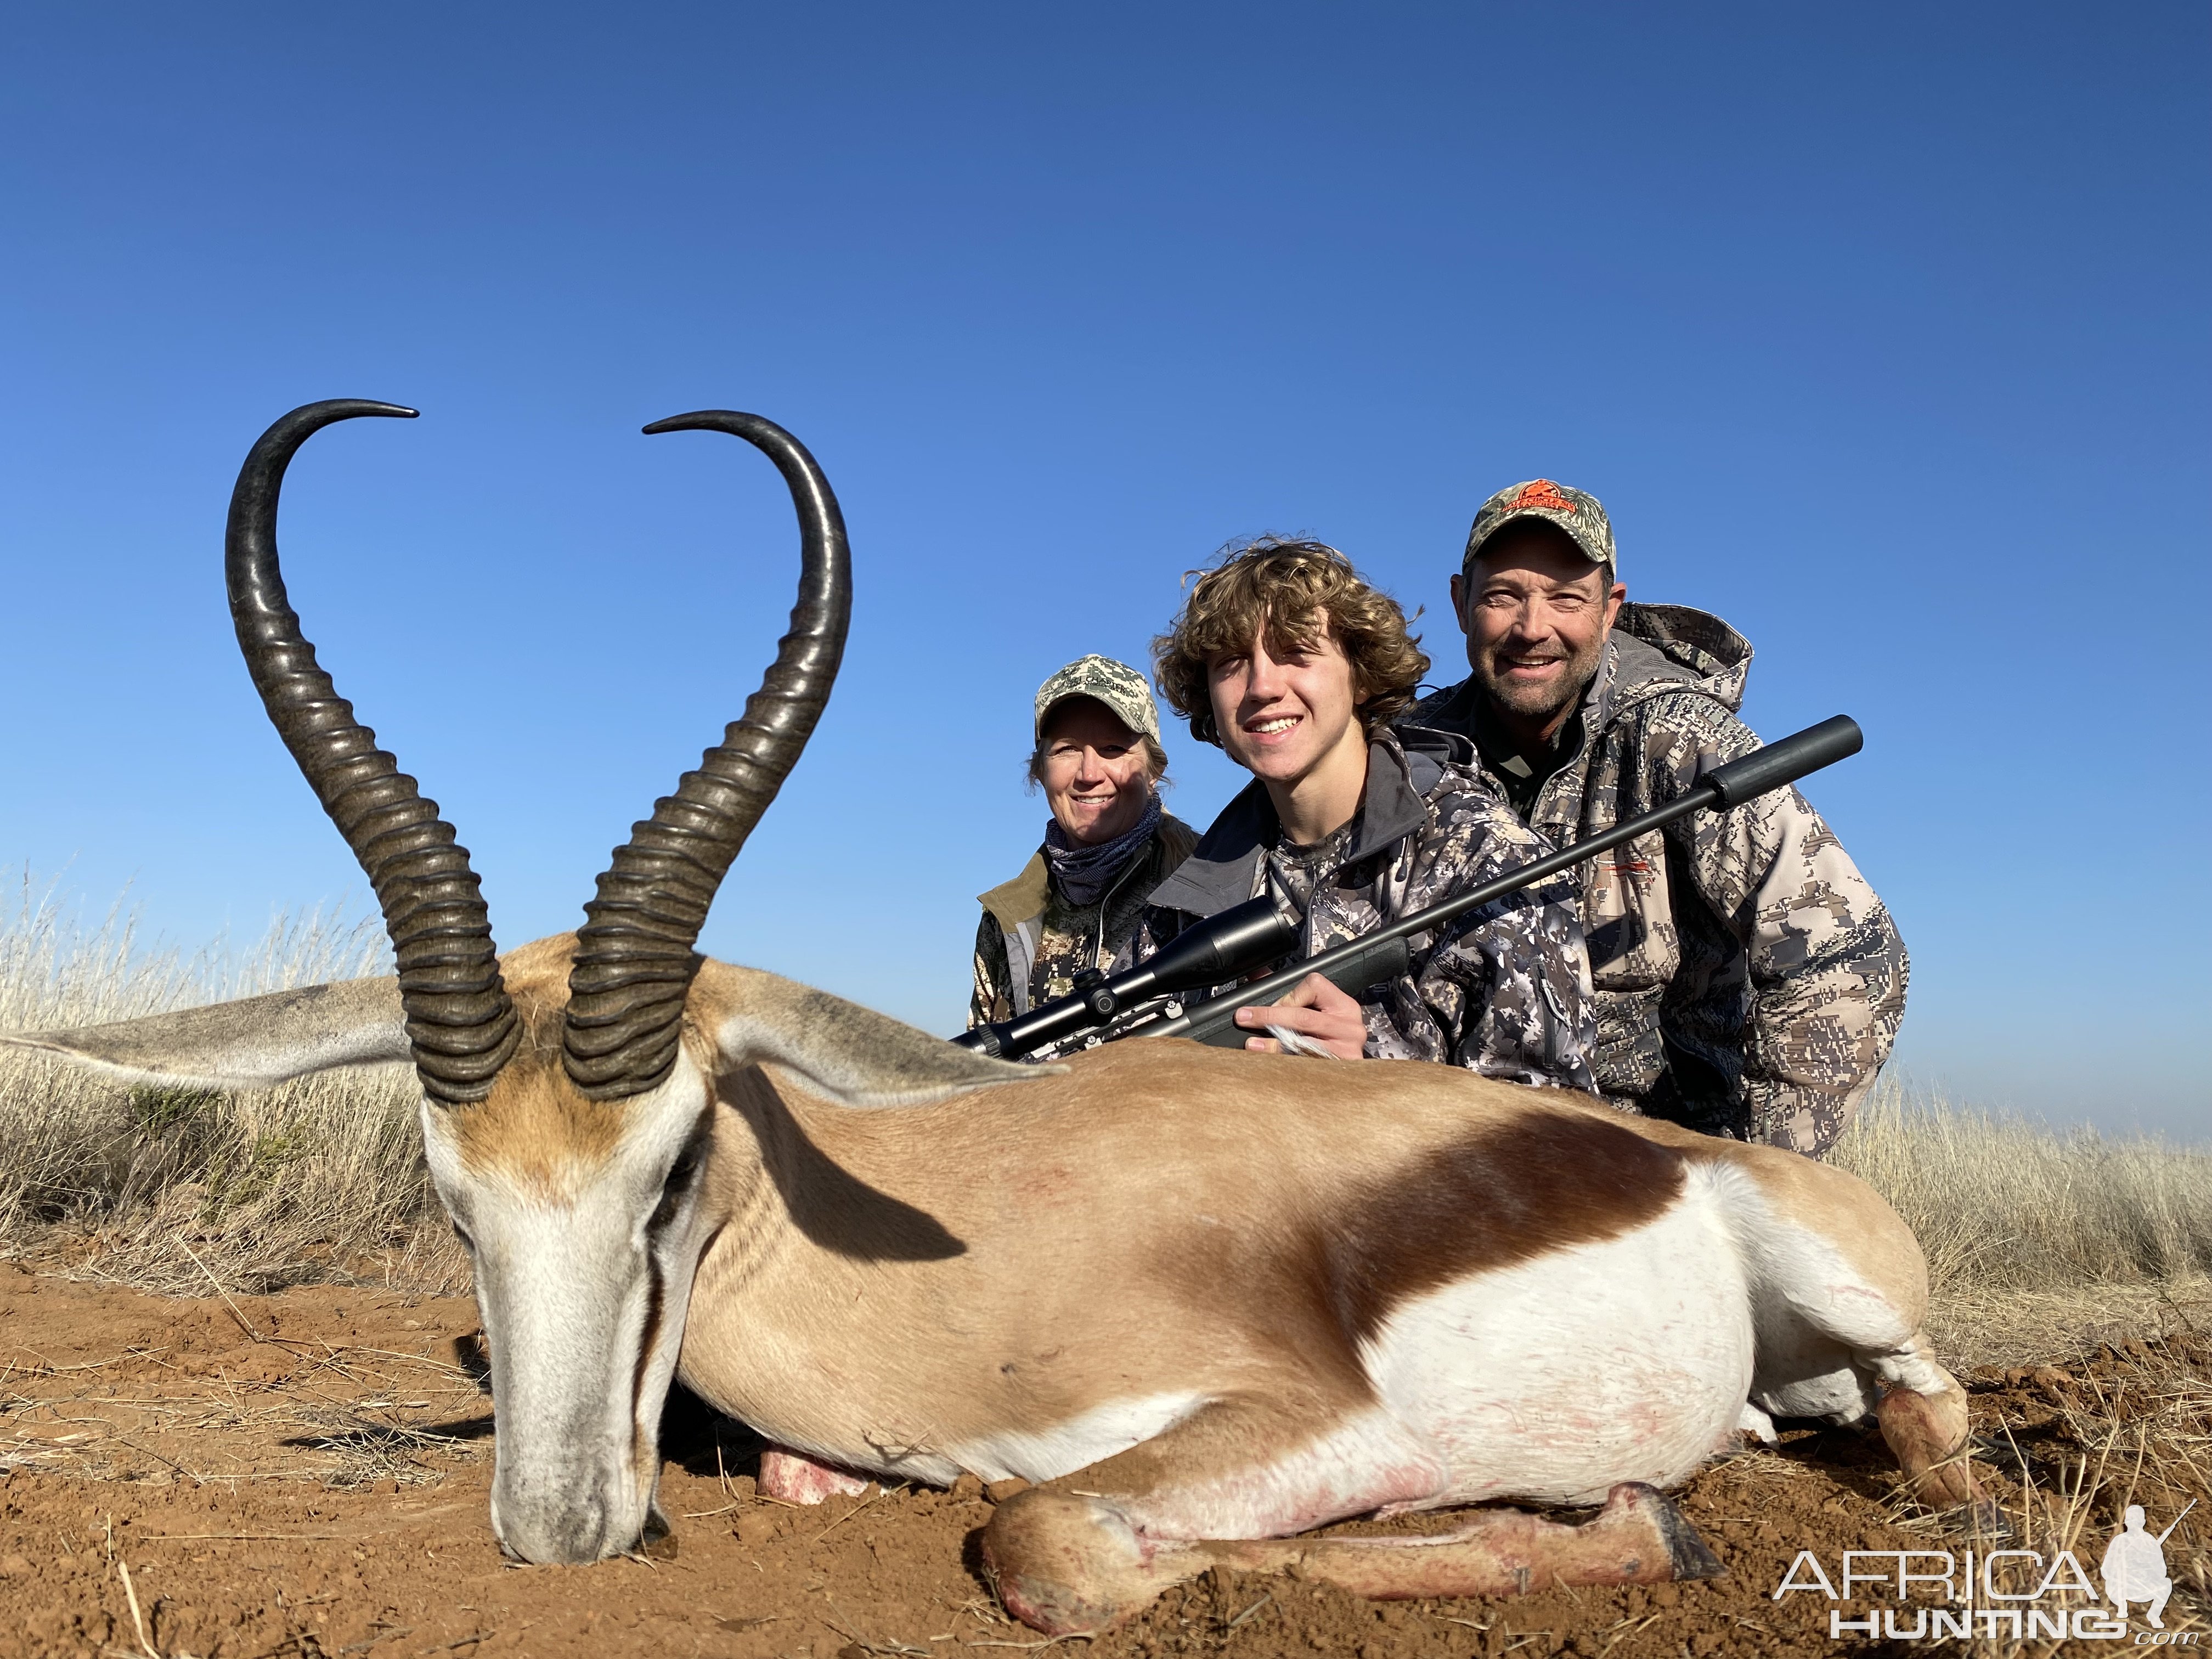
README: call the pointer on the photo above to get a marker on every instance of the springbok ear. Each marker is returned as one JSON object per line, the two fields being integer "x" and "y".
{"x": 253, "y": 1044}
{"x": 851, "y": 1055}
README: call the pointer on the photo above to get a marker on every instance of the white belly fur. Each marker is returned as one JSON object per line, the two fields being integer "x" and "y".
{"x": 1553, "y": 1380}
{"x": 1090, "y": 1437}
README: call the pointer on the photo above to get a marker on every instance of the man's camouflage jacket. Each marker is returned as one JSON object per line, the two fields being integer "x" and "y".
{"x": 1749, "y": 983}
{"x": 1505, "y": 992}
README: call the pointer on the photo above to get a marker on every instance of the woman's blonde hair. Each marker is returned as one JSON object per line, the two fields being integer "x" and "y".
{"x": 1293, "y": 592}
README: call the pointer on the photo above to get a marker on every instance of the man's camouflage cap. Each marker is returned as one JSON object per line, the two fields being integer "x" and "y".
{"x": 1116, "y": 684}
{"x": 1574, "y": 511}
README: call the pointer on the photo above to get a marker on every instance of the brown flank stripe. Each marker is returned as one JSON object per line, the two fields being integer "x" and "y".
{"x": 1501, "y": 1196}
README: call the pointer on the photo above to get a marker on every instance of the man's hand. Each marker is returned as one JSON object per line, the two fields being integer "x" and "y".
{"x": 1317, "y": 1011}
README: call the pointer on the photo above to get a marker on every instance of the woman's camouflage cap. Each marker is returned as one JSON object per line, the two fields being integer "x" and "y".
{"x": 1118, "y": 686}
{"x": 1575, "y": 511}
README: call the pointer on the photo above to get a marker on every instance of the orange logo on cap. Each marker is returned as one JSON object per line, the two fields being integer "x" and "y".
{"x": 1541, "y": 492}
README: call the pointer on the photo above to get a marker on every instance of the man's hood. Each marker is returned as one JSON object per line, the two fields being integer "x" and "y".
{"x": 1669, "y": 648}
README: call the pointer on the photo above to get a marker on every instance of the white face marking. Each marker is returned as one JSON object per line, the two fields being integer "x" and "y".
{"x": 1554, "y": 1379}
{"x": 584, "y": 1297}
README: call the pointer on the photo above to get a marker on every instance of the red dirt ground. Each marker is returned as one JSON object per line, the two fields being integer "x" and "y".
{"x": 317, "y": 1488}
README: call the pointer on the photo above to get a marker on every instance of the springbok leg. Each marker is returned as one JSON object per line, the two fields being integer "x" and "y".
{"x": 794, "y": 1478}
{"x": 1067, "y": 1564}
{"x": 1922, "y": 1412}
{"x": 1925, "y": 1425}
{"x": 1086, "y": 1552}
{"x": 1639, "y": 1537}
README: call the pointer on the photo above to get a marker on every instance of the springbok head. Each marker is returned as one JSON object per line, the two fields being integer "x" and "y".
{"x": 569, "y": 1090}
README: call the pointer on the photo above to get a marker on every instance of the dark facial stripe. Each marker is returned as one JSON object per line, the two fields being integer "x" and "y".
{"x": 656, "y": 1298}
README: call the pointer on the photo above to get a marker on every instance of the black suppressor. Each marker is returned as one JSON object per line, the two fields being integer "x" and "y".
{"x": 1361, "y": 962}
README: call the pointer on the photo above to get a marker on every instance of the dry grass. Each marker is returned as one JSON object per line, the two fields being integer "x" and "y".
{"x": 2003, "y": 1203}
{"x": 2039, "y": 1242}
{"x": 2070, "y": 1447}
{"x": 183, "y": 1189}
{"x": 339, "y": 1415}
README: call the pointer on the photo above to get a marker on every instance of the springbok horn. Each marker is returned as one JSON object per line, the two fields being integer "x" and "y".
{"x": 459, "y": 1018}
{"x": 634, "y": 959}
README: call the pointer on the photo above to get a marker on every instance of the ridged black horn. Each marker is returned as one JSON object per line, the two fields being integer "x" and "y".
{"x": 458, "y": 1017}
{"x": 633, "y": 958}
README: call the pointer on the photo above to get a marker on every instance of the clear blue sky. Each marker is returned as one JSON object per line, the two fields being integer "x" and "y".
{"x": 1880, "y": 331}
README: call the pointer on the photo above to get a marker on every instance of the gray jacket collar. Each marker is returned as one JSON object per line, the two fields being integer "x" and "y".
{"x": 1220, "y": 871}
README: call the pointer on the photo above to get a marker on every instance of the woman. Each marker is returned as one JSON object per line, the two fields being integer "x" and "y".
{"x": 1078, "y": 902}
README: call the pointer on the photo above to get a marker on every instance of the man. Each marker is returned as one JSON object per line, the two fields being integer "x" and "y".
{"x": 1283, "y": 657}
{"x": 1749, "y": 983}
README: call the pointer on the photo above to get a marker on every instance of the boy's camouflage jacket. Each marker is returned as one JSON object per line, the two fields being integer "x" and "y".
{"x": 1031, "y": 940}
{"x": 1505, "y": 993}
{"x": 1749, "y": 983}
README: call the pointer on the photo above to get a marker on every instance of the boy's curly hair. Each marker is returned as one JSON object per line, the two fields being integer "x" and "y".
{"x": 1295, "y": 591}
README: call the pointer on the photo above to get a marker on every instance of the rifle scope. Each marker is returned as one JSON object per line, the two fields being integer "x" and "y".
{"x": 1220, "y": 949}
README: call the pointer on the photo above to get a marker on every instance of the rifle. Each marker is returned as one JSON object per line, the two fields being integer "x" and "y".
{"x": 1249, "y": 935}
{"x": 2178, "y": 1520}
{"x": 1222, "y": 948}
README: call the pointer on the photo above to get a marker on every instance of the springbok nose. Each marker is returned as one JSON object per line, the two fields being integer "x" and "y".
{"x": 570, "y": 1533}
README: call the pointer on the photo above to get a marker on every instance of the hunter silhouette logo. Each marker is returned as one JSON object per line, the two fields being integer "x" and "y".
{"x": 2134, "y": 1567}
{"x": 2013, "y": 1595}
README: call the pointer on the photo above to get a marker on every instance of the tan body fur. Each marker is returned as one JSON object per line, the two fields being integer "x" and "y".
{"x": 1080, "y": 1267}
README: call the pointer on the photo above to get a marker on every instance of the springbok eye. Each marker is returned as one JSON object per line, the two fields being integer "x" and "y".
{"x": 677, "y": 1188}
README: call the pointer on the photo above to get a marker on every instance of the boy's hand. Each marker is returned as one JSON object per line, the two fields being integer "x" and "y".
{"x": 1316, "y": 1011}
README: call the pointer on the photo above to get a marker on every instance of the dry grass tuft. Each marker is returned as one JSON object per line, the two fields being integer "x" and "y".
{"x": 2001, "y": 1202}
{"x": 2071, "y": 1447}
{"x": 180, "y": 1189}
{"x": 2039, "y": 1242}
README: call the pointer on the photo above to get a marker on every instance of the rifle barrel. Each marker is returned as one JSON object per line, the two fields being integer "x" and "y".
{"x": 2178, "y": 1520}
{"x": 1771, "y": 767}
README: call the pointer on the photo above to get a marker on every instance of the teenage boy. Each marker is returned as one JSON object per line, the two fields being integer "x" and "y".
{"x": 1283, "y": 657}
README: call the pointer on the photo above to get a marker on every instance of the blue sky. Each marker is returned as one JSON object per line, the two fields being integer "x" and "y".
{"x": 1880, "y": 331}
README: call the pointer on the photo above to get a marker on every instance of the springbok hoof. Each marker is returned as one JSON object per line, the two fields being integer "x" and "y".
{"x": 1983, "y": 1519}
{"x": 1687, "y": 1550}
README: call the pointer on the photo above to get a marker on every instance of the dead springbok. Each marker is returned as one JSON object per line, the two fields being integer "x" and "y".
{"x": 1206, "y": 1300}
